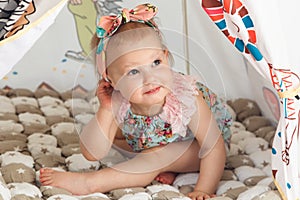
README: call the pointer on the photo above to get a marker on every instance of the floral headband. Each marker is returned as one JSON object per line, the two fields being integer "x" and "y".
{"x": 108, "y": 25}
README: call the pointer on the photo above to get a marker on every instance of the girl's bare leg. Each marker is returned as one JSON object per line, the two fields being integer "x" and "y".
{"x": 139, "y": 171}
{"x": 125, "y": 149}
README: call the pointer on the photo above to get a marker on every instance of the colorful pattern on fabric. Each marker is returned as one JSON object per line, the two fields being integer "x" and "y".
{"x": 108, "y": 25}
{"x": 142, "y": 132}
{"x": 13, "y": 16}
{"x": 220, "y": 112}
{"x": 217, "y": 15}
{"x": 21, "y": 25}
{"x": 285, "y": 156}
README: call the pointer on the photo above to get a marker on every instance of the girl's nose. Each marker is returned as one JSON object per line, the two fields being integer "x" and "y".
{"x": 148, "y": 77}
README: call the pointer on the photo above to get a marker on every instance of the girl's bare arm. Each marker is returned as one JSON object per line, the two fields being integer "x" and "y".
{"x": 212, "y": 150}
{"x": 120, "y": 141}
{"x": 98, "y": 135}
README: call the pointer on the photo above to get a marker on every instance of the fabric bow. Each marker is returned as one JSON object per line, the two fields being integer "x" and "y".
{"x": 108, "y": 25}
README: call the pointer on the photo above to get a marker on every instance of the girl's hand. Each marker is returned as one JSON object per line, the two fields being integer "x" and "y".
{"x": 104, "y": 93}
{"x": 199, "y": 195}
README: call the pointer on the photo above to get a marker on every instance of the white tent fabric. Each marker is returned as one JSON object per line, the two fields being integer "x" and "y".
{"x": 205, "y": 52}
{"x": 267, "y": 36}
{"x": 207, "y": 58}
{"x": 213, "y": 57}
{"x": 13, "y": 48}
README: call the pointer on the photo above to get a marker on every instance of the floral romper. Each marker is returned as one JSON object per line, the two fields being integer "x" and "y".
{"x": 171, "y": 125}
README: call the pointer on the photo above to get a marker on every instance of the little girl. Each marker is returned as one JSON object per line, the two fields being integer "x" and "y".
{"x": 170, "y": 122}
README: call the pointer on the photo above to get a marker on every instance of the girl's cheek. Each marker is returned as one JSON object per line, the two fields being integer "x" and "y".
{"x": 165, "y": 77}
{"x": 128, "y": 87}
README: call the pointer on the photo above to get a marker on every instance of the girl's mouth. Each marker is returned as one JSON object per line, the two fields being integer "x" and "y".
{"x": 153, "y": 91}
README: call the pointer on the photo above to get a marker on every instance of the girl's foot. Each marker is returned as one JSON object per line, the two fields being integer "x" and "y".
{"x": 73, "y": 182}
{"x": 166, "y": 177}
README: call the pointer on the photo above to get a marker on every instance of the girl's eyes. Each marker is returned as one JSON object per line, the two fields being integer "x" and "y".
{"x": 133, "y": 72}
{"x": 156, "y": 62}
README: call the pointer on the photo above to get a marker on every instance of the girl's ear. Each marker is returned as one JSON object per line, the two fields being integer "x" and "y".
{"x": 166, "y": 52}
{"x": 105, "y": 77}
{"x": 108, "y": 79}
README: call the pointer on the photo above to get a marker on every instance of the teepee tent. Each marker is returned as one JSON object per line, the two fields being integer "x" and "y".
{"x": 251, "y": 49}
{"x": 22, "y": 23}
{"x": 269, "y": 47}
{"x": 56, "y": 51}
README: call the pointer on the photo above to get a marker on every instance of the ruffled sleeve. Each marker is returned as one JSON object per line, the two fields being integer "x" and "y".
{"x": 120, "y": 106}
{"x": 180, "y": 103}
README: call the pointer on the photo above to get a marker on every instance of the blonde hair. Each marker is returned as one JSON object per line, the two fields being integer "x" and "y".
{"x": 126, "y": 35}
{"x": 124, "y": 27}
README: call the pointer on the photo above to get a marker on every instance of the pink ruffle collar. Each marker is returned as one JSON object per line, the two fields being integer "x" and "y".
{"x": 179, "y": 106}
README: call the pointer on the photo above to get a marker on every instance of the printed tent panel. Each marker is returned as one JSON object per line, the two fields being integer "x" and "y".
{"x": 257, "y": 39}
{"x": 13, "y": 16}
{"x": 62, "y": 64}
{"x": 265, "y": 35}
{"x": 21, "y": 24}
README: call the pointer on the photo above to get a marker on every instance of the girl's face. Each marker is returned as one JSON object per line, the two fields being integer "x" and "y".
{"x": 143, "y": 76}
